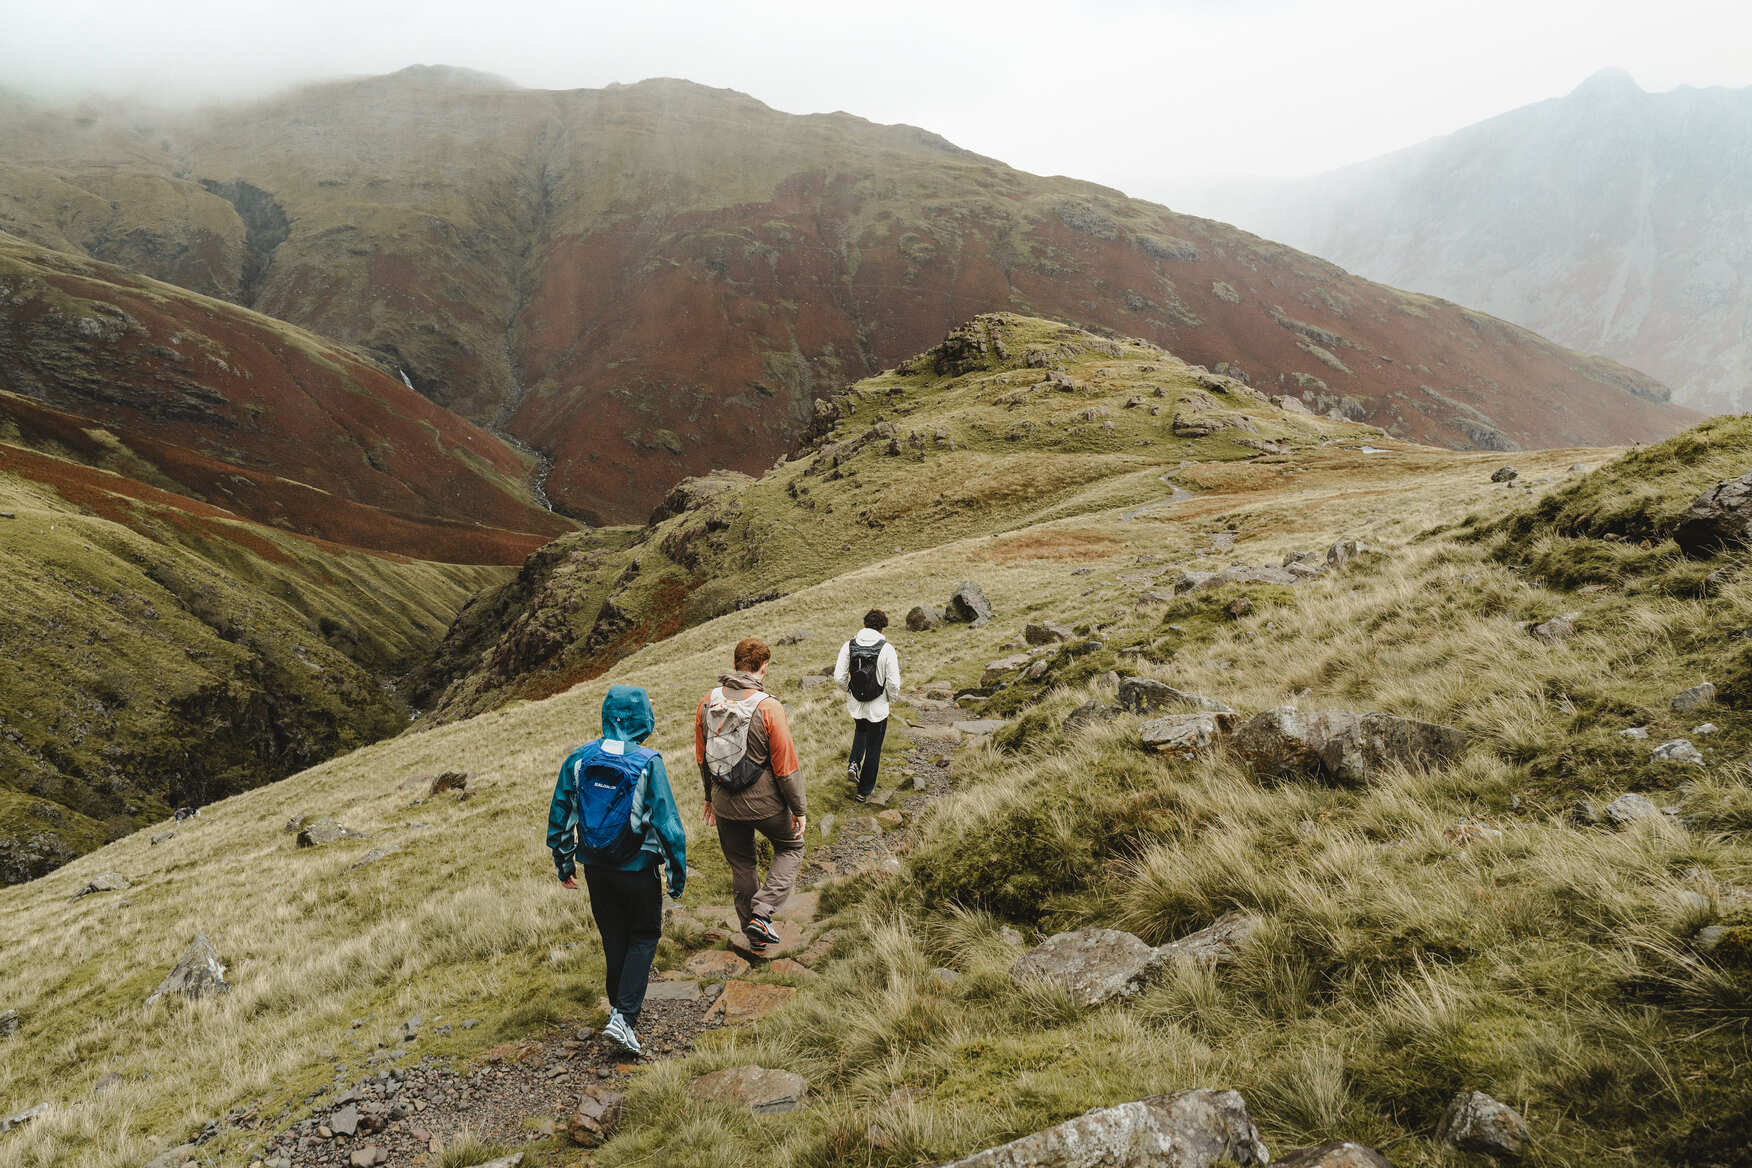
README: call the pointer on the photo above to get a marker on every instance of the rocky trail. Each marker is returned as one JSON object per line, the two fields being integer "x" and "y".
{"x": 566, "y": 1083}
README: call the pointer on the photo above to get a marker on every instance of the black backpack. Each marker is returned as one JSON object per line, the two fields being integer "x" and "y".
{"x": 865, "y": 683}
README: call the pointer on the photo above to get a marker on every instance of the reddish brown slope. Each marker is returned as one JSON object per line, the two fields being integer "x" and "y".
{"x": 648, "y": 281}
{"x": 248, "y": 414}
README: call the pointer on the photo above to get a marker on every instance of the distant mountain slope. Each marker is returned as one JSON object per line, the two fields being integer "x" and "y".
{"x": 249, "y": 414}
{"x": 650, "y": 281}
{"x": 1613, "y": 220}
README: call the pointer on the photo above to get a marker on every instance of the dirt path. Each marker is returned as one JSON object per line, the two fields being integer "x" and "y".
{"x": 526, "y": 1090}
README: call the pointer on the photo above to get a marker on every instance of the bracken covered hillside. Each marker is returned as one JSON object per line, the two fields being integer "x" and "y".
{"x": 1521, "y": 869}
{"x": 650, "y": 281}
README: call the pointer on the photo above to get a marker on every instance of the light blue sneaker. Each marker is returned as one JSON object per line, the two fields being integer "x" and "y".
{"x": 622, "y": 1033}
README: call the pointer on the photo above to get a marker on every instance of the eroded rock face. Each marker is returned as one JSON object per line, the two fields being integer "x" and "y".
{"x": 1629, "y": 808}
{"x": 1184, "y": 735}
{"x": 1694, "y": 698}
{"x": 1474, "y": 1122}
{"x": 1096, "y": 965}
{"x": 762, "y": 1090}
{"x": 1342, "y": 746}
{"x": 1721, "y": 518}
{"x": 1143, "y": 695}
{"x": 1189, "y": 1129}
{"x": 1213, "y": 944}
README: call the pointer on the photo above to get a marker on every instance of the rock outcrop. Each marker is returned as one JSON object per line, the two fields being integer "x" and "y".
{"x": 1189, "y": 1129}
{"x": 196, "y": 975}
{"x": 1474, "y": 1122}
{"x": 1720, "y": 519}
{"x": 761, "y": 1090}
{"x": 1341, "y": 746}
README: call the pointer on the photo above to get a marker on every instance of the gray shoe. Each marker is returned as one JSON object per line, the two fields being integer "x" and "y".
{"x": 618, "y": 1030}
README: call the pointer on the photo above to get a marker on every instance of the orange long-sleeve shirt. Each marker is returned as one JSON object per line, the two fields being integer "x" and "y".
{"x": 780, "y": 786}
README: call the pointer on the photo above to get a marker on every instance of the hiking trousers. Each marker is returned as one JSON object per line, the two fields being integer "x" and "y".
{"x": 628, "y": 907}
{"x": 754, "y": 899}
{"x": 867, "y": 751}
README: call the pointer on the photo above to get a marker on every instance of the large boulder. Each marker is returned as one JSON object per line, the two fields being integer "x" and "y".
{"x": 1189, "y": 1129}
{"x": 1336, "y": 1155}
{"x": 197, "y": 974}
{"x": 1474, "y": 1122}
{"x": 968, "y": 605}
{"x": 317, "y": 832}
{"x": 1341, "y": 746}
{"x": 1627, "y": 809}
{"x": 1045, "y": 633}
{"x": 760, "y": 1089}
{"x": 1095, "y": 965}
{"x": 1720, "y": 518}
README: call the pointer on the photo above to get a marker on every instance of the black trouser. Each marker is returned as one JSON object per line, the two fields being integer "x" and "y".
{"x": 867, "y": 751}
{"x": 629, "y": 915}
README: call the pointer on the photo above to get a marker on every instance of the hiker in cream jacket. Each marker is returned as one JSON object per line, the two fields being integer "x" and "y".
{"x": 869, "y": 715}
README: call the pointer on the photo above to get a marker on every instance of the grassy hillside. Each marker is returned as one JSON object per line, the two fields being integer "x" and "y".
{"x": 162, "y": 653}
{"x": 1402, "y": 956}
{"x": 649, "y": 281}
{"x": 1010, "y": 420}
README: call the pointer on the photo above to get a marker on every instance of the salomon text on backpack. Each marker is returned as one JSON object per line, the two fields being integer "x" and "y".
{"x": 606, "y": 784}
{"x": 865, "y": 681}
{"x": 726, "y": 727}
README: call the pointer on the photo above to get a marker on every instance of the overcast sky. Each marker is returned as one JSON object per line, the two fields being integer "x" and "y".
{"x": 1142, "y": 96}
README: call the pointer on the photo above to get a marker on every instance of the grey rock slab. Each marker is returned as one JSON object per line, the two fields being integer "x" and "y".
{"x": 1635, "y": 733}
{"x": 922, "y": 618}
{"x": 19, "y": 1119}
{"x": 1705, "y": 730}
{"x": 995, "y": 670}
{"x": 1677, "y": 750}
{"x": 1344, "y": 551}
{"x": 762, "y": 1090}
{"x": 1096, "y": 965}
{"x": 1694, "y": 698}
{"x": 1342, "y": 746}
{"x": 198, "y": 973}
{"x": 1215, "y": 943}
{"x": 1629, "y": 808}
{"x": 1046, "y": 633}
{"x": 1474, "y": 1122}
{"x": 673, "y": 991}
{"x": 1142, "y": 695}
{"x": 104, "y": 882}
{"x": 980, "y": 726}
{"x": 8, "y": 1023}
{"x": 1183, "y": 735}
{"x": 1504, "y": 474}
{"x": 317, "y": 832}
{"x": 345, "y": 1121}
{"x": 1556, "y": 630}
{"x": 1334, "y": 1155}
{"x": 1189, "y": 1129}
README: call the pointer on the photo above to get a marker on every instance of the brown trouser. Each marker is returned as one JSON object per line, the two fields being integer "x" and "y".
{"x": 736, "y": 837}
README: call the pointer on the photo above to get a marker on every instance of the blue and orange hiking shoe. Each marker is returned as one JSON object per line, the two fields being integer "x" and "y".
{"x": 760, "y": 934}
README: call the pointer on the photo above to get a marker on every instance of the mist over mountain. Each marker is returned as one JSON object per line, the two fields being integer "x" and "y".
{"x": 1612, "y": 220}
{"x": 649, "y": 281}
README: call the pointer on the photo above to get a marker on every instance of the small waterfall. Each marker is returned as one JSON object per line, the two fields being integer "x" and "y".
{"x": 404, "y": 377}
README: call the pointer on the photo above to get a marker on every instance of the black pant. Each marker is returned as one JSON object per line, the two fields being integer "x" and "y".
{"x": 867, "y": 751}
{"x": 629, "y": 914}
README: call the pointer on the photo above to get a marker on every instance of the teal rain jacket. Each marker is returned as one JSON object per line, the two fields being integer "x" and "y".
{"x": 627, "y": 716}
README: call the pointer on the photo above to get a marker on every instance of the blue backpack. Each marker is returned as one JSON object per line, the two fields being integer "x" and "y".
{"x": 605, "y": 784}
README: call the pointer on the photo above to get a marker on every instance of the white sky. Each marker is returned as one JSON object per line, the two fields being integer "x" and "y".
{"x": 1147, "y": 97}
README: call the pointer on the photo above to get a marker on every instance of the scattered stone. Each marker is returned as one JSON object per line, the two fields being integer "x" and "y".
{"x": 1183, "y": 735}
{"x": 1342, "y": 746}
{"x": 197, "y": 974}
{"x": 996, "y": 671}
{"x": 981, "y": 726}
{"x": 1720, "y": 518}
{"x": 1694, "y": 698}
{"x": 968, "y": 605}
{"x": 163, "y": 837}
{"x": 1095, "y": 965}
{"x": 745, "y": 1001}
{"x": 368, "y": 1157}
{"x": 8, "y": 1023}
{"x": 1678, "y": 750}
{"x": 514, "y": 1160}
{"x": 345, "y": 1121}
{"x": 943, "y": 977}
{"x": 597, "y": 1115}
{"x": 175, "y": 1158}
{"x": 1189, "y": 1129}
{"x": 893, "y": 817}
{"x": 106, "y": 1083}
{"x": 1046, "y": 633}
{"x": 1504, "y": 474}
{"x": 794, "y": 637}
{"x": 923, "y": 618}
{"x": 1705, "y": 730}
{"x": 1637, "y": 733}
{"x": 321, "y": 831}
{"x": 8, "y": 1122}
{"x": 1583, "y": 813}
{"x": 1627, "y": 809}
{"x": 1336, "y": 1155}
{"x": 378, "y": 853}
{"x": 791, "y": 968}
{"x": 716, "y": 964}
{"x": 449, "y": 781}
{"x": 762, "y": 1091}
{"x": 1474, "y": 1122}
{"x": 1344, "y": 551}
{"x": 1470, "y": 831}
{"x": 104, "y": 882}
{"x": 1557, "y": 629}
{"x": 673, "y": 991}
{"x": 1240, "y": 606}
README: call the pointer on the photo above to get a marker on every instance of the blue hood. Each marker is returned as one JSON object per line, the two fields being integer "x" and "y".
{"x": 626, "y": 714}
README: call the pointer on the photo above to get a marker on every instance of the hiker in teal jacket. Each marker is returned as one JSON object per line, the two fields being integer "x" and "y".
{"x": 625, "y": 894}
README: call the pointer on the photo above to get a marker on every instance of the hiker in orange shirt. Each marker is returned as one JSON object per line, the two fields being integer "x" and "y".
{"x": 753, "y": 783}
